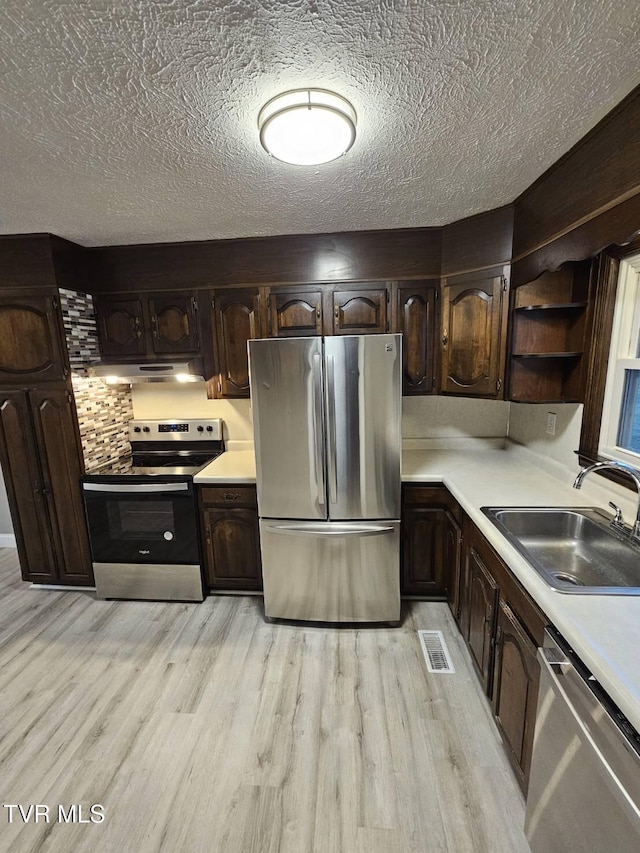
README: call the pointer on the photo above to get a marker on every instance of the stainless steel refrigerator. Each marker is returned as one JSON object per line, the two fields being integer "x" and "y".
{"x": 326, "y": 421}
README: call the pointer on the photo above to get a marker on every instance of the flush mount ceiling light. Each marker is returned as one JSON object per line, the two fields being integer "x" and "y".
{"x": 307, "y": 126}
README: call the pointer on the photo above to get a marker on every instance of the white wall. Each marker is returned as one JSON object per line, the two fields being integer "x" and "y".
{"x": 422, "y": 417}
{"x": 453, "y": 418}
{"x": 527, "y": 425}
{"x": 172, "y": 400}
{"x": 556, "y": 454}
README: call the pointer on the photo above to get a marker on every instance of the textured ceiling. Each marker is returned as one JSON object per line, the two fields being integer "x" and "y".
{"x": 126, "y": 121}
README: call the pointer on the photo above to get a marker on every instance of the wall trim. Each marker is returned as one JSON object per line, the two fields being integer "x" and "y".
{"x": 7, "y": 540}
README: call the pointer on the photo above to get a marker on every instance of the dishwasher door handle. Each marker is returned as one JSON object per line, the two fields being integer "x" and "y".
{"x": 556, "y": 671}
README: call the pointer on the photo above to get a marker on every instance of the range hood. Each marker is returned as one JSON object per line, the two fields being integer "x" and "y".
{"x": 159, "y": 371}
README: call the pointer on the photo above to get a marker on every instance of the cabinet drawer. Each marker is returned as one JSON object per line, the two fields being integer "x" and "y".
{"x": 229, "y": 496}
{"x": 426, "y": 496}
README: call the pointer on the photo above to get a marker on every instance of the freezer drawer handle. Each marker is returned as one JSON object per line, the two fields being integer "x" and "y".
{"x": 314, "y": 530}
{"x": 125, "y": 488}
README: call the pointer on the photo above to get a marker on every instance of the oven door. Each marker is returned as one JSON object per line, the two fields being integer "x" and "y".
{"x": 142, "y": 522}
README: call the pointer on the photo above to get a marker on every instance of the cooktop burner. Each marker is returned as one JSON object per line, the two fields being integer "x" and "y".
{"x": 168, "y": 448}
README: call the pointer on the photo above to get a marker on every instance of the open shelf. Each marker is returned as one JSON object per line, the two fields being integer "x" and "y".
{"x": 546, "y": 354}
{"x": 550, "y": 317}
{"x": 553, "y": 306}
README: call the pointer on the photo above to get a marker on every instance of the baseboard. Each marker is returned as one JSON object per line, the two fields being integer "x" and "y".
{"x": 7, "y": 540}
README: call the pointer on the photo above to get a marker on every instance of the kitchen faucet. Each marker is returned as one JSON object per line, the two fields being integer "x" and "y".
{"x": 617, "y": 522}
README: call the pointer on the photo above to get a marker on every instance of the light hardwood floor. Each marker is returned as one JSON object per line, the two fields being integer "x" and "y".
{"x": 200, "y": 727}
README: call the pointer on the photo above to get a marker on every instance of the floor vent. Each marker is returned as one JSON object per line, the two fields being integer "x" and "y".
{"x": 435, "y": 651}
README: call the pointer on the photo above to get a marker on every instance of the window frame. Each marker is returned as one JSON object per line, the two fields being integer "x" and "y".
{"x": 606, "y": 276}
{"x": 624, "y": 341}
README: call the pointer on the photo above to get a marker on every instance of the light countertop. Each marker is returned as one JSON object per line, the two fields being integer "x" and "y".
{"x": 604, "y": 630}
{"x": 233, "y": 466}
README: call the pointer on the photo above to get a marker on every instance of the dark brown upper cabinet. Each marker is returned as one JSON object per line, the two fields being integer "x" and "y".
{"x": 149, "y": 326}
{"x": 360, "y": 311}
{"x": 415, "y": 319}
{"x": 41, "y": 463}
{"x": 295, "y": 312}
{"x": 120, "y": 325}
{"x": 474, "y": 318}
{"x": 550, "y": 331}
{"x": 235, "y": 319}
{"x": 31, "y": 337}
{"x": 174, "y": 323}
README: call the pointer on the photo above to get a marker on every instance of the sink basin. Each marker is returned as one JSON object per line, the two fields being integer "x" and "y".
{"x": 573, "y": 550}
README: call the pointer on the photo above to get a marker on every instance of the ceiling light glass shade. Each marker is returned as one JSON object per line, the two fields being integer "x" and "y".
{"x": 307, "y": 126}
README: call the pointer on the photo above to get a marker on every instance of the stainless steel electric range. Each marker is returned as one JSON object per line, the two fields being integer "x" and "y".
{"x": 142, "y": 513}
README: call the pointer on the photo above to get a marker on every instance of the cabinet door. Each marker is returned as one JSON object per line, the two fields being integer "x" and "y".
{"x": 54, "y": 419}
{"x": 422, "y": 551}
{"x": 483, "y": 595}
{"x": 473, "y": 345}
{"x": 416, "y": 321}
{"x": 25, "y": 489}
{"x": 174, "y": 324}
{"x": 232, "y": 549}
{"x": 515, "y": 689}
{"x": 295, "y": 313}
{"x": 359, "y": 312}
{"x": 120, "y": 327}
{"x": 236, "y": 320}
{"x": 451, "y": 563}
{"x": 31, "y": 340}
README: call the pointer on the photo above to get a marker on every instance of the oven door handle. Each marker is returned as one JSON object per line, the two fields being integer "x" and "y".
{"x": 126, "y": 488}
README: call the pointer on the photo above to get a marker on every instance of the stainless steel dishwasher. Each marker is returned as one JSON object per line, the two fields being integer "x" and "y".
{"x": 584, "y": 789}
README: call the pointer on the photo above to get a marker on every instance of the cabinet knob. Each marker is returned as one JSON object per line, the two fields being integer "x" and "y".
{"x": 445, "y": 338}
{"x": 231, "y": 496}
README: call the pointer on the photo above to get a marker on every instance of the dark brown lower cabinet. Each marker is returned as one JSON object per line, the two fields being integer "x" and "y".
{"x": 41, "y": 463}
{"x": 451, "y": 557}
{"x": 422, "y": 551}
{"x": 515, "y": 689}
{"x": 231, "y": 538}
{"x": 429, "y": 562}
{"x": 482, "y": 599}
{"x": 503, "y": 628}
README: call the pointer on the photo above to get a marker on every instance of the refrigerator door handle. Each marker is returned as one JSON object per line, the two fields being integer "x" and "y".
{"x": 331, "y": 431}
{"x": 317, "y": 427}
{"x": 335, "y": 529}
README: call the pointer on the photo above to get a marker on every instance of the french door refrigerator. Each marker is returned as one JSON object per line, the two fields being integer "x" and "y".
{"x": 326, "y": 420}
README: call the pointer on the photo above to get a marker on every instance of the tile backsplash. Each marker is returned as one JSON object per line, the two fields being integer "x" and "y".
{"x": 103, "y": 410}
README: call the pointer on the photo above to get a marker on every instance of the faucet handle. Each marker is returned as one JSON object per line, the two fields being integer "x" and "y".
{"x": 618, "y": 521}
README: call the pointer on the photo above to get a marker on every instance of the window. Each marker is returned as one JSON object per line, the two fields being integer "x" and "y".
{"x": 620, "y": 427}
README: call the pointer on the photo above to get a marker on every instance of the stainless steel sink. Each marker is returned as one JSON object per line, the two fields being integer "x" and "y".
{"x": 573, "y": 550}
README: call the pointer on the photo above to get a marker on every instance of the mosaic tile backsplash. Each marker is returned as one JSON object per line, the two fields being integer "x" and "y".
{"x": 103, "y": 410}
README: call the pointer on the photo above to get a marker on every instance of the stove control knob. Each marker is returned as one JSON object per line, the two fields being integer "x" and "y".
{"x": 146, "y": 429}
{"x": 136, "y": 429}
{"x": 209, "y": 429}
{"x": 200, "y": 429}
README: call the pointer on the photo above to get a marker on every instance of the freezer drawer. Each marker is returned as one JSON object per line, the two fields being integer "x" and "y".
{"x": 331, "y": 571}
